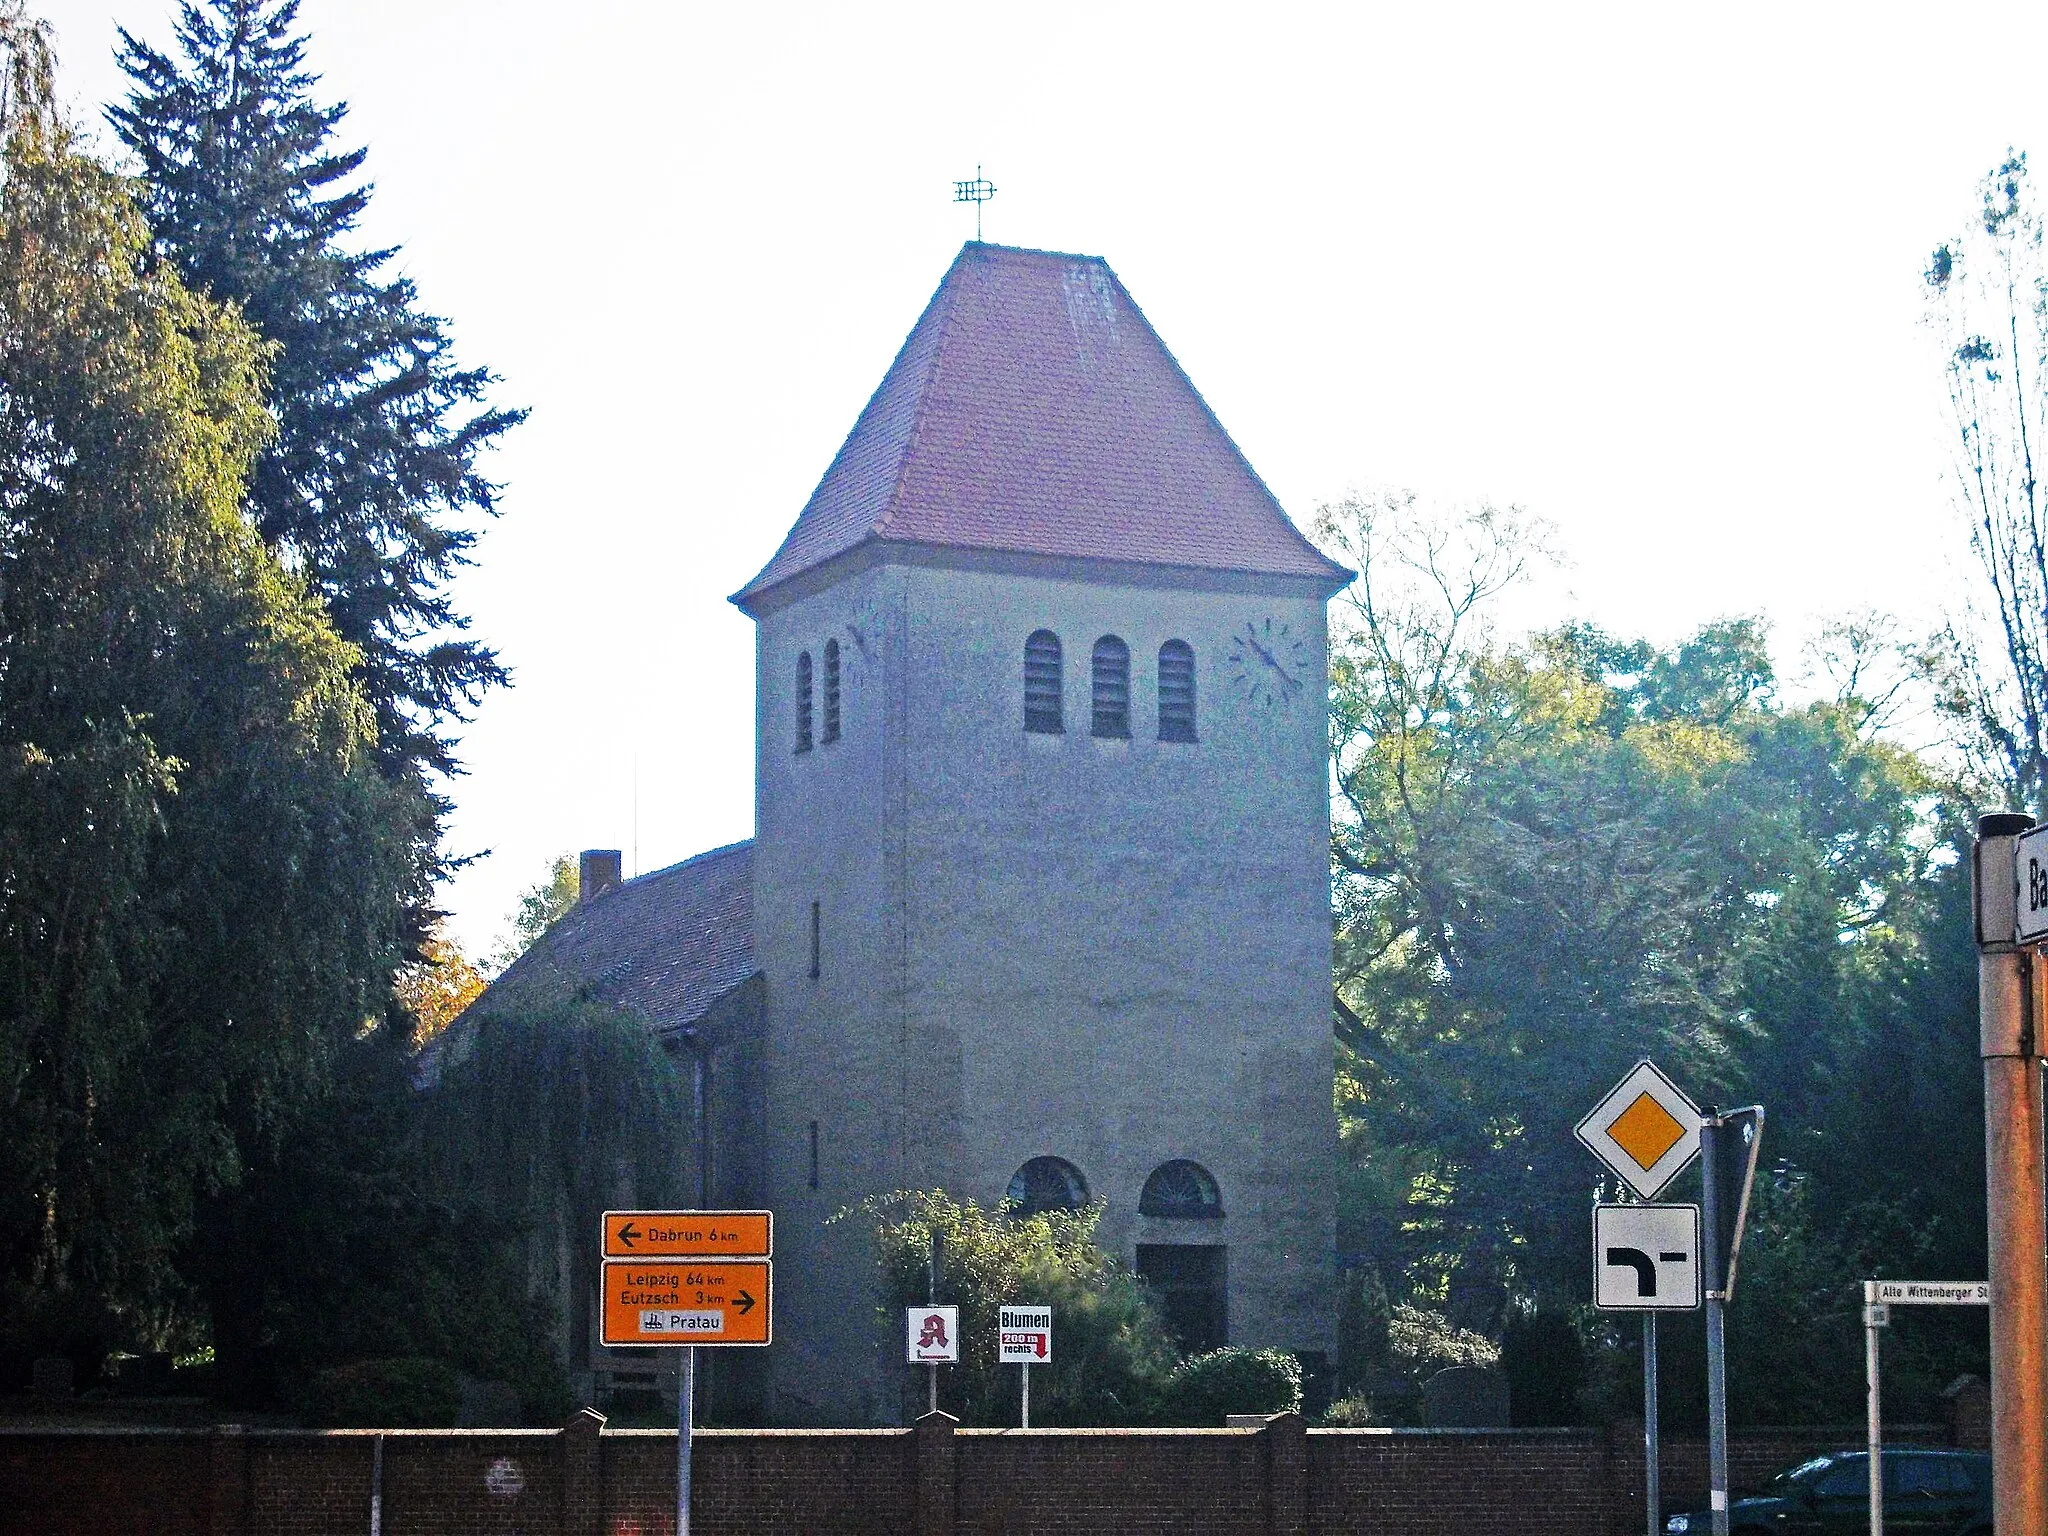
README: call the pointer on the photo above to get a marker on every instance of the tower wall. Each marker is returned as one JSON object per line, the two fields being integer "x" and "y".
{"x": 1111, "y": 951}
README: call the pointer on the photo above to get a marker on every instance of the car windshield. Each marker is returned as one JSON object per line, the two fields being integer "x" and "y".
{"x": 1805, "y": 1471}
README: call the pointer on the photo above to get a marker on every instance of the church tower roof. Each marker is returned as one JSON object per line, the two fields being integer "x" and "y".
{"x": 1033, "y": 411}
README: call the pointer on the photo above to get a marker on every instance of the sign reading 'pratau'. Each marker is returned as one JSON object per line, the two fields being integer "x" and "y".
{"x": 685, "y": 1278}
{"x": 682, "y": 1301}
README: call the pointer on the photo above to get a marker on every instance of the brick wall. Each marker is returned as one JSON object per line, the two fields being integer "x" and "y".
{"x": 584, "y": 1480}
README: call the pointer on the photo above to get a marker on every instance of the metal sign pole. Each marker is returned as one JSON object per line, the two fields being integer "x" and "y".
{"x": 1025, "y": 1367}
{"x": 932, "y": 1298}
{"x": 2013, "y": 1175}
{"x": 1873, "y": 1319}
{"x": 686, "y": 1392}
{"x": 1717, "y": 1352}
{"x": 1653, "y": 1493}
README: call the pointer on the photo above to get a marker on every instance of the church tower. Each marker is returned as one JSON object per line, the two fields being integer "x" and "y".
{"x": 1040, "y": 879}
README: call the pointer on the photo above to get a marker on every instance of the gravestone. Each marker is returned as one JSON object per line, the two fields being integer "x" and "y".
{"x": 1465, "y": 1397}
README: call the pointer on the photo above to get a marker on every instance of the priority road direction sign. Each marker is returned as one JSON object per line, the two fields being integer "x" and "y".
{"x": 932, "y": 1335}
{"x": 1645, "y": 1129}
{"x": 686, "y": 1302}
{"x": 1646, "y": 1258}
{"x": 2031, "y": 869}
{"x": 689, "y": 1234}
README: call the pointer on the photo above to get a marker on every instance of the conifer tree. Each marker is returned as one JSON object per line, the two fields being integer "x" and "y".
{"x": 373, "y": 486}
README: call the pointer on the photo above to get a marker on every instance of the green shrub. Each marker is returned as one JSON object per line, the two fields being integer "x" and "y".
{"x": 1204, "y": 1389}
{"x": 411, "y": 1392}
{"x": 1112, "y": 1356}
{"x": 1354, "y": 1412}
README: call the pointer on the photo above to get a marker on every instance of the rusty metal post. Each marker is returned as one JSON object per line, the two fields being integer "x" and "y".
{"x": 2008, "y": 987}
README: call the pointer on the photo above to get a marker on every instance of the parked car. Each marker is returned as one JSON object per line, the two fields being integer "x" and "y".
{"x": 1932, "y": 1492}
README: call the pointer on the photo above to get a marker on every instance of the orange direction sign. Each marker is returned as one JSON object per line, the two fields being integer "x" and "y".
{"x": 675, "y": 1301}
{"x": 689, "y": 1234}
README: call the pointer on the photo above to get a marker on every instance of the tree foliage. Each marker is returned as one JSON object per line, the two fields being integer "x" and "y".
{"x": 1988, "y": 311}
{"x": 1556, "y": 855}
{"x": 196, "y": 855}
{"x": 372, "y": 481}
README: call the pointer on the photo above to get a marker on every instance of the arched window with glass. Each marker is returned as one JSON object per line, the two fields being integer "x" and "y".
{"x": 1181, "y": 1190}
{"x": 1176, "y": 691}
{"x": 1046, "y": 1184}
{"x": 1111, "y": 668}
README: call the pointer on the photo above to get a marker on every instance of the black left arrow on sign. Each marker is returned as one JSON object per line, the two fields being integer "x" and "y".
{"x": 628, "y": 1235}
{"x": 1639, "y": 1261}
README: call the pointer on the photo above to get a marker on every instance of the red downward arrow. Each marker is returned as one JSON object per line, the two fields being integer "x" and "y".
{"x": 1041, "y": 1346}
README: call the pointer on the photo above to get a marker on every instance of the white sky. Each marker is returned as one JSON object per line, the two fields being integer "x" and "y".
{"x": 1651, "y": 271}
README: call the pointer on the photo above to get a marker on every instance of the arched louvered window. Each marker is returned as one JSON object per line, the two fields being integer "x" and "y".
{"x": 1176, "y": 691}
{"x": 1046, "y": 1184}
{"x": 831, "y": 732}
{"x": 1181, "y": 1190}
{"x": 1042, "y": 683}
{"x": 803, "y": 702}
{"x": 1112, "y": 669}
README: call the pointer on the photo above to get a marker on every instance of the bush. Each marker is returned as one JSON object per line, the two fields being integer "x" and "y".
{"x": 411, "y": 1392}
{"x": 1203, "y": 1390}
{"x": 1355, "y": 1412}
{"x": 1113, "y": 1356}
{"x": 44, "y": 1320}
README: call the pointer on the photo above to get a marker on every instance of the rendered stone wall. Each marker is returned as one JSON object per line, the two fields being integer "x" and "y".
{"x": 1112, "y": 951}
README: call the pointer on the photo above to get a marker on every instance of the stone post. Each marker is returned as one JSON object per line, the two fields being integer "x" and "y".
{"x": 1286, "y": 1438}
{"x": 938, "y": 1474}
{"x": 227, "y": 1504}
{"x": 582, "y": 1452}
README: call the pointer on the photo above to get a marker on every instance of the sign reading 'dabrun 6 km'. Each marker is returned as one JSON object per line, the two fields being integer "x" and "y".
{"x": 688, "y": 1278}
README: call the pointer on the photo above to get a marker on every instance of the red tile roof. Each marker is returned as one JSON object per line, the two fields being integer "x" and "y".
{"x": 668, "y": 945}
{"x": 1034, "y": 410}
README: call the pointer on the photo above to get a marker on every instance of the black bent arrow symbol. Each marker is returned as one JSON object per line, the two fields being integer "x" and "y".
{"x": 1644, "y": 1266}
{"x": 629, "y": 1234}
{"x": 743, "y": 1304}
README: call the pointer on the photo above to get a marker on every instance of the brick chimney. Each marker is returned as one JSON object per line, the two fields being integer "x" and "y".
{"x": 597, "y": 871}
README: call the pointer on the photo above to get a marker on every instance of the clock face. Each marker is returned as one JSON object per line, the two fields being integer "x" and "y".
{"x": 865, "y": 629}
{"x": 1268, "y": 662}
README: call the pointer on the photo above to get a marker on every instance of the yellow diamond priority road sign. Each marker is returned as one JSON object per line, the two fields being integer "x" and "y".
{"x": 1646, "y": 1130}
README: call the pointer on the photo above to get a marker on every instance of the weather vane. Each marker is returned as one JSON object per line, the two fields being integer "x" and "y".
{"x": 976, "y": 192}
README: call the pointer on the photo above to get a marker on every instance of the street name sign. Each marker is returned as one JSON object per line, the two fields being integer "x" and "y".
{"x": 688, "y": 1302}
{"x": 1024, "y": 1336}
{"x": 1928, "y": 1293}
{"x": 1646, "y": 1258}
{"x": 1645, "y": 1129}
{"x": 689, "y": 1234}
{"x": 2030, "y": 861}
{"x": 932, "y": 1336}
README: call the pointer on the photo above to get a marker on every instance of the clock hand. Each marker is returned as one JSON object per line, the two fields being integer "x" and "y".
{"x": 1273, "y": 661}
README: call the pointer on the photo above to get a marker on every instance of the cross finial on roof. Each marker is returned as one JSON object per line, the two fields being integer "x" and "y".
{"x": 976, "y": 192}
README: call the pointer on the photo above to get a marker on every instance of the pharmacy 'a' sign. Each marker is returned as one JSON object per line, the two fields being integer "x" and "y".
{"x": 932, "y": 1335}
{"x": 1645, "y": 1129}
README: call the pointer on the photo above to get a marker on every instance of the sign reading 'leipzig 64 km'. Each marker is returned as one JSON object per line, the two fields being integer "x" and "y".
{"x": 688, "y": 1277}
